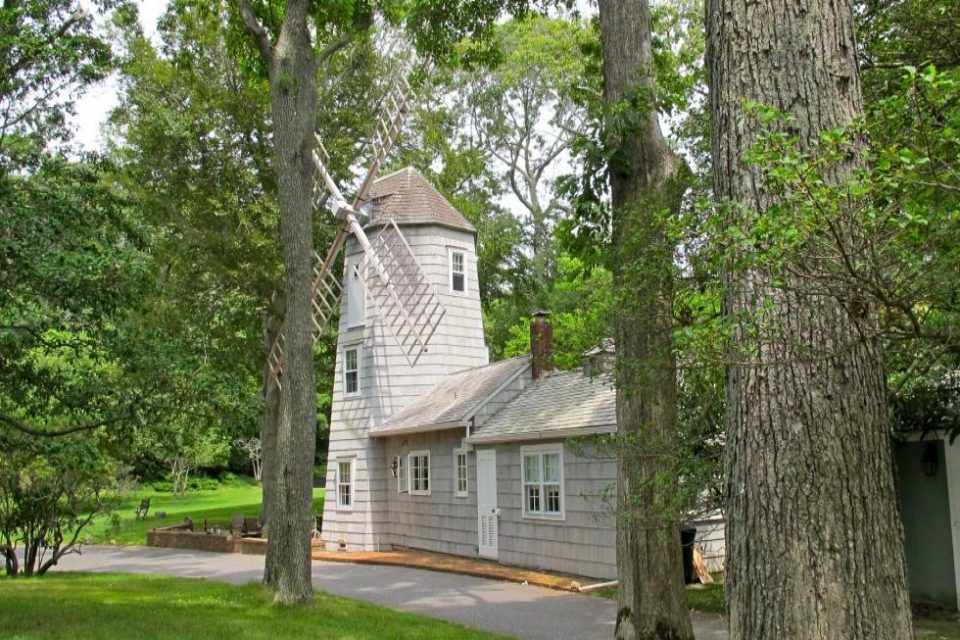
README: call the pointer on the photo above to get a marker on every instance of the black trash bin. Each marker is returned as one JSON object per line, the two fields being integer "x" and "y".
{"x": 688, "y": 536}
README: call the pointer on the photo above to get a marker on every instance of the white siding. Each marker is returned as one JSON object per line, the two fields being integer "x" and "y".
{"x": 583, "y": 544}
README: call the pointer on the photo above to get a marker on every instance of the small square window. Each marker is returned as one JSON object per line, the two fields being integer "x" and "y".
{"x": 351, "y": 371}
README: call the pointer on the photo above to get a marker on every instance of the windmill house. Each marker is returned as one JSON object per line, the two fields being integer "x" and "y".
{"x": 455, "y": 454}
{"x": 431, "y": 446}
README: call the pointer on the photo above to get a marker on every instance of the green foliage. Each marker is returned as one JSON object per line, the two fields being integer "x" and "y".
{"x": 49, "y": 52}
{"x": 121, "y": 606}
{"x": 73, "y": 268}
{"x": 579, "y": 303}
{"x": 50, "y": 489}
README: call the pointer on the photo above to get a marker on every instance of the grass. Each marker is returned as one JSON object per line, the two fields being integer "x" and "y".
{"x": 217, "y": 506}
{"x": 120, "y": 606}
{"x": 709, "y": 599}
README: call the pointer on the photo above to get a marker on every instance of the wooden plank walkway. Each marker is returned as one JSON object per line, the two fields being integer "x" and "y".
{"x": 452, "y": 564}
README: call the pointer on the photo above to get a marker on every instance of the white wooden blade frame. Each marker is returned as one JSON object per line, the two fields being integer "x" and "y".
{"x": 324, "y": 299}
{"x": 398, "y": 287}
{"x": 407, "y": 302}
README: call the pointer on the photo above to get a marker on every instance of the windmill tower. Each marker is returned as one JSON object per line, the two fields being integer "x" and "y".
{"x": 374, "y": 379}
{"x": 402, "y": 243}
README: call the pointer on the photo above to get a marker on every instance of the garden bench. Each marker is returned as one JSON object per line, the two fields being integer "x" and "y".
{"x": 142, "y": 509}
{"x": 245, "y": 527}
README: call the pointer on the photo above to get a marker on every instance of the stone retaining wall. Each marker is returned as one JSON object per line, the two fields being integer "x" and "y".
{"x": 179, "y": 538}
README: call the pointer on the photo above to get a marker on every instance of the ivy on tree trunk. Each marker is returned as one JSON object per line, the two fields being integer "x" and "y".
{"x": 646, "y": 187}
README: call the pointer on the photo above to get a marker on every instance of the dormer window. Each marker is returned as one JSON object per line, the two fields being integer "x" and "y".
{"x": 458, "y": 271}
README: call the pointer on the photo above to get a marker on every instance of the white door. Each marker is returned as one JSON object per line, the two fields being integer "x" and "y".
{"x": 487, "y": 511}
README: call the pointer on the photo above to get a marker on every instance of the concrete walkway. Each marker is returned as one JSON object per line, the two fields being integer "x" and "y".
{"x": 511, "y": 609}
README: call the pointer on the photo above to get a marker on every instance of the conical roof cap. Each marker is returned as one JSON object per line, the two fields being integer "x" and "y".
{"x": 410, "y": 199}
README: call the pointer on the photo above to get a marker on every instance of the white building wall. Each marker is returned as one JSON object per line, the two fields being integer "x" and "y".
{"x": 388, "y": 383}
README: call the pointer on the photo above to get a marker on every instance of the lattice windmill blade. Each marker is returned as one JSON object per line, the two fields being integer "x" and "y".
{"x": 412, "y": 313}
{"x": 405, "y": 299}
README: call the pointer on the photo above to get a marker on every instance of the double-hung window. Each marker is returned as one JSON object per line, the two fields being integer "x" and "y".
{"x": 419, "y": 469}
{"x": 542, "y": 469}
{"x": 345, "y": 483}
{"x": 460, "y": 473}
{"x": 458, "y": 271}
{"x": 351, "y": 371}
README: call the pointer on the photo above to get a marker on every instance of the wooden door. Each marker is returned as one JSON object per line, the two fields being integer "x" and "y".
{"x": 487, "y": 511}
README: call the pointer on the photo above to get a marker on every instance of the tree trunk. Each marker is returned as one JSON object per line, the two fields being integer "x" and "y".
{"x": 645, "y": 181}
{"x": 268, "y": 426}
{"x": 293, "y": 89}
{"x": 814, "y": 541}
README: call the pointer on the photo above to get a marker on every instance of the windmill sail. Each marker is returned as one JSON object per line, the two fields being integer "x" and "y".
{"x": 406, "y": 300}
{"x": 407, "y": 303}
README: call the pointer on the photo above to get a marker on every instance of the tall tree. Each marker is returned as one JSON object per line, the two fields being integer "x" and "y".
{"x": 646, "y": 180}
{"x": 292, "y": 60}
{"x": 292, "y": 65}
{"x": 814, "y": 540}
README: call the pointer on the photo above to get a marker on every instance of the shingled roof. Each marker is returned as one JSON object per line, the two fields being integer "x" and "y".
{"x": 410, "y": 199}
{"x": 453, "y": 400}
{"x": 562, "y": 404}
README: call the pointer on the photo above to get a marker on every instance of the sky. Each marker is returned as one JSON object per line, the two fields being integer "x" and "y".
{"x": 95, "y": 105}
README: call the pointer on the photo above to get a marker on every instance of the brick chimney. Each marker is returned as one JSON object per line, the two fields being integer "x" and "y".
{"x": 541, "y": 344}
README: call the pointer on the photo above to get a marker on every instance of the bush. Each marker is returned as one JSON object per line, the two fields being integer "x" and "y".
{"x": 195, "y": 483}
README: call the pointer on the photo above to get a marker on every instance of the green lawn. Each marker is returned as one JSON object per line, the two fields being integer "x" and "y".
{"x": 702, "y": 598}
{"x": 709, "y": 599}
{"x": 121, "y": 606}
{"x": 217, "y": 506}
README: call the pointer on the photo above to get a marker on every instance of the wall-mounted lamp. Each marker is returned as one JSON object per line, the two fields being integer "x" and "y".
{"x": 930, "y": 461}
{"x": 393, "y": 467}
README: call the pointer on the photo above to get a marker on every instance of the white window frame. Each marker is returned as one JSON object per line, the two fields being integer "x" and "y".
{"x": 346, "y": 386}
{"x": 351, "y": 485}
{"x": 539, "y": 451}
{"x": 450, "y": 253}
{"x": 457, "y": 491}
{"x": 412, "y": 486}
{"x": 356, "y": 297}
{"x": 402, "y": 479}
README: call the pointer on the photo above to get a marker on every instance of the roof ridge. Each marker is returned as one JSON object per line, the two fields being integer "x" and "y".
{"x": 489, "y": 364}
{"x": 393, "y": 173}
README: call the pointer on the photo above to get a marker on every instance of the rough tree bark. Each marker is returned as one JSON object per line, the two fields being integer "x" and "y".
{"x": 292, "y": 68}
{"x": 646, "y": 179}
{"x": 268, "y": 424}
{"x": 814, "y": 542}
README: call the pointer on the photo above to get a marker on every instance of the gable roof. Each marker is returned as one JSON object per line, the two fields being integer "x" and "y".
{"x": 453, "y": 400}
{"x": 409, "y": 199}
{"x": 559, "y": 405}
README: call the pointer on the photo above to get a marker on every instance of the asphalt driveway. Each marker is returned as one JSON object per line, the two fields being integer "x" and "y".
{"x": 511, "y": 609}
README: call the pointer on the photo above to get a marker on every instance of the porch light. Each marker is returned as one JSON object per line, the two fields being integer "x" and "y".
{"x": 929, "y": 461}
{"x": 393, "y": 467}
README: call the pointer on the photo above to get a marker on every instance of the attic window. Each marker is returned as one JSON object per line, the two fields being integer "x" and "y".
{"x": 458, "y": 272}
